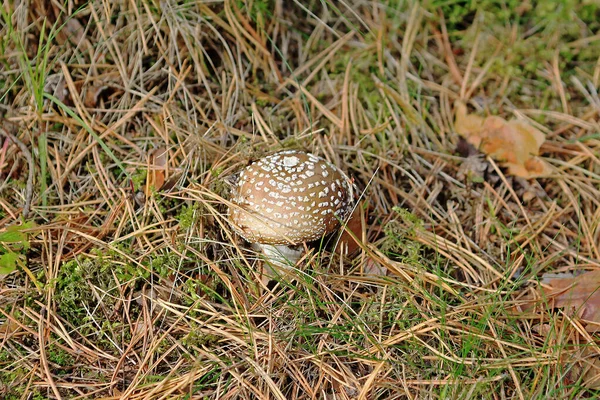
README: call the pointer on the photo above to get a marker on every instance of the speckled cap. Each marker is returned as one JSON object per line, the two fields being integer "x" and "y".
{"x": 288, "y": 198}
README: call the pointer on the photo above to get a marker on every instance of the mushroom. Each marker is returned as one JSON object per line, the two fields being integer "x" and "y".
{"x": 286, "y": 199}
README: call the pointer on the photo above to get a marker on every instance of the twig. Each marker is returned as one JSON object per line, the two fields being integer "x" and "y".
{"x": 27, "y": 155}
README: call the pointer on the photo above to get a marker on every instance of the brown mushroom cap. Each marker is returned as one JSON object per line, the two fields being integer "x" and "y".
{"x": 288, "y": 198}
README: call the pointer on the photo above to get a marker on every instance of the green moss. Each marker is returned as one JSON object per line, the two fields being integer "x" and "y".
{"x": 187, "y": 216}
{"x": 199, "y": 339}
{"x": 399, "y": 237}
{"x": 165, "y": 204}
{"x": 164, "y": 264}
{"x": 77, "y": 278}
{"x": 459, "y": 14}
{"x": 138, "y": 178}
{"x": 541, "y": 29}
{"x": 12, "y": 379}
{"x": 60, "y": 358}
{"x": 206, "y": 287}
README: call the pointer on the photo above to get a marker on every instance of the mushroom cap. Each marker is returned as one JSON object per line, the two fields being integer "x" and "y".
{"x": 288, "y": 198}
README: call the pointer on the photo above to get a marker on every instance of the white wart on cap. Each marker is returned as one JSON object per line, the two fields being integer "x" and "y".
{"x": 288, "y": 198}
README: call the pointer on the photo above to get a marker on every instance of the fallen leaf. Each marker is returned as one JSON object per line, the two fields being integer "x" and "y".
{"x": 55, "y": 85}
{"x": 346, "y": 244}
{"x": 13, "y": 242}
{"x": 579, "y": 294}
{"x": 515, "y": 144}
{"x": 8, "y": 327}
{"x": 92, "y": 95}
{"x": 73, "y": 30}
{"x": 8, "y": 263}
{"x": 584, "y": 368}
{"x": 579, "y": 297}
{"x": 466, "y": 149}
{"x": 374, "y": 268}
{"x": 156, "y": 170}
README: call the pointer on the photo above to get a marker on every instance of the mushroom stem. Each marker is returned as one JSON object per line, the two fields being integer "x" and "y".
{"x": 279, "y": 255}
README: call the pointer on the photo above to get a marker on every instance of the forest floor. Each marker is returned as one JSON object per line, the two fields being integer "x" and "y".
{"x": 476, "y": 270}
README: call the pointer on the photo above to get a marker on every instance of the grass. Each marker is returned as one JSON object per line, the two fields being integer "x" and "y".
{"x": 125, "y": 290}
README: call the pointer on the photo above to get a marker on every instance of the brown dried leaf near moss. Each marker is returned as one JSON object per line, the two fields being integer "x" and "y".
{"x": 514, "y": 143}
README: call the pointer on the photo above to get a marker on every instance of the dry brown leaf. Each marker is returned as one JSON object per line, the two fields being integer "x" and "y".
{"x": 577, "y": 295}
{"x": 374, "y": 268}
{"x": 92, "y": 95}
{"x": 580, "y": 294}
{"x": 584, "y": 367}
{"x": 73, "y": 31}
{"x": 346, "y": 244}
{"x": 56, "y": 86}
{"x": 514, "y": 143}
{"x": 156, "y": 170}
{"x": 7, "y": 328}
